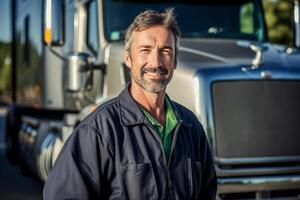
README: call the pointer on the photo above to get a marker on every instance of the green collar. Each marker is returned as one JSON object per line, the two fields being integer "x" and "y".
{"x": 165, "y": 131}
{"x": 171, "y": 120}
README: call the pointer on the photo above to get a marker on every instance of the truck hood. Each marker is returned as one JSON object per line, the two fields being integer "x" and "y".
{"x": 215, "y": 53}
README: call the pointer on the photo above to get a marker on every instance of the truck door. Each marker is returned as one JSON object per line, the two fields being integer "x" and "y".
{"x": 93, "y": 44}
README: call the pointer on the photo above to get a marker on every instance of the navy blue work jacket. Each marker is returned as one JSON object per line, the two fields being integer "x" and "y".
{"x": 115, "y": 154}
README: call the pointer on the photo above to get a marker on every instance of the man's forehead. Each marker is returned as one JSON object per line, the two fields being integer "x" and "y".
{"x": 154, "y": 34}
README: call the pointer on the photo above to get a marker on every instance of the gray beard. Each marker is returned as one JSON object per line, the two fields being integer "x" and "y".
{"x": 153, "y": 87}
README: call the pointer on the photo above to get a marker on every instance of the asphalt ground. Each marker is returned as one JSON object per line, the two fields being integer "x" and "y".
{"x": 14, "y": 185}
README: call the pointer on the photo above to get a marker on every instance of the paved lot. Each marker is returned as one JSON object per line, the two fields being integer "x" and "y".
{"x": 14, "y": 185}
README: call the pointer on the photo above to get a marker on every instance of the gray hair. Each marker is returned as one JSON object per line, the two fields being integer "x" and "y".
{"x": 151, "y": 18}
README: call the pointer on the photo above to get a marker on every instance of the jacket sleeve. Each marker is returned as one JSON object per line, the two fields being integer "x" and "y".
{"x": 83, "y": 167}
{"x": 209, "y": 179}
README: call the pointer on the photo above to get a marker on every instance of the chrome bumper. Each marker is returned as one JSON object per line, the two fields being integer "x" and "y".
{"x": 259, "y": 185}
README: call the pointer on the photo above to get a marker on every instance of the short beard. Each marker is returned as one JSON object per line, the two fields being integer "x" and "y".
{"x": 155, "y": 86}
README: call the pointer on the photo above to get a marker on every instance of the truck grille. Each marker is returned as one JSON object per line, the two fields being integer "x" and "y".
{"x": 257, "y": 119}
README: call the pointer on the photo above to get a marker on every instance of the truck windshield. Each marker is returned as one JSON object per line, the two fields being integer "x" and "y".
{"x": 232, "y": 19}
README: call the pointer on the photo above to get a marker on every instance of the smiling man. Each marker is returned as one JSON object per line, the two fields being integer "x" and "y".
{"x": 140, "y": 145}
{"x": 151, "y": 58}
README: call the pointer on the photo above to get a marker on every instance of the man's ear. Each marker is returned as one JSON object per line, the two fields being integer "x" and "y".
{"x": 127, "y": 59}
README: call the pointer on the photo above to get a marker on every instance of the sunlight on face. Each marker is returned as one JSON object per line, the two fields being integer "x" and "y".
{"x": 152, "y": 58}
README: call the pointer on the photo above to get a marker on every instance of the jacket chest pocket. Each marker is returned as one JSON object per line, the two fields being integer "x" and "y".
{"x": 194, "y": 177}
{"x": 139, "y": 181}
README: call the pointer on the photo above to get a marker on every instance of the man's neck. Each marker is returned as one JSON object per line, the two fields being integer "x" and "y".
{"x": 151, "y": 102}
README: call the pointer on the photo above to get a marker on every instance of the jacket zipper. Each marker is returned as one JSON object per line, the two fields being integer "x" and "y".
{"x": 167, "y": 163}
{"x": 174, "y": 140}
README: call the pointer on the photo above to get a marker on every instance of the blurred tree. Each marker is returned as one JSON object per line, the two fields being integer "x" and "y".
{"x": 279, "y": 18}
{"x": 5, "y": 71}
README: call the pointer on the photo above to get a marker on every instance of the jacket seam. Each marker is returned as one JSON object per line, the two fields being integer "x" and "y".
{"x": 103, "y": 106}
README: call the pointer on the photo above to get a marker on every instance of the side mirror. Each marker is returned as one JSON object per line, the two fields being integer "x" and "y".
{"x": 79, "y": 72}
{"x": 54, "y": 22}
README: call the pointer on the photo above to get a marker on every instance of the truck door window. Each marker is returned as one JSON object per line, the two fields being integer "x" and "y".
{"x": 92, "y": 27}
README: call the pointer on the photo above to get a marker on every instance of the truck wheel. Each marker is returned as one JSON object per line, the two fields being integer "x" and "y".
{"x": 44, "y": 158}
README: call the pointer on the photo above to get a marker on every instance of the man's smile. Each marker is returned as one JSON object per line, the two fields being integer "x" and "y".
{"x": 154, "y": 74}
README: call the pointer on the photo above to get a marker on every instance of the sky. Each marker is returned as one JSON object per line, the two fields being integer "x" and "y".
{"x": 5, "y": 28}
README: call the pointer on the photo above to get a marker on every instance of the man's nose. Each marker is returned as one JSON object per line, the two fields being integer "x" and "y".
{"x": 155, "y": 58}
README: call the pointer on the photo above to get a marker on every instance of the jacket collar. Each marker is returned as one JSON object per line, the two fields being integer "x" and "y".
{"x": 131, "y": 114}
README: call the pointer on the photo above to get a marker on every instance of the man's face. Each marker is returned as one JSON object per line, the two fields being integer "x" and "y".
{"x": 152, "y": 58}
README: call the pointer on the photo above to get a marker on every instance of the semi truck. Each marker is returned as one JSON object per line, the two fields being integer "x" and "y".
{"x": 67, "y": 58}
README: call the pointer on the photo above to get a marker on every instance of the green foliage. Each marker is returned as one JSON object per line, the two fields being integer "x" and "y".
{"x": 247, "y": 19}
{"x": 5, "y": 65}
{"x": 5, "y": 71}
{"x": 279, "y": 18}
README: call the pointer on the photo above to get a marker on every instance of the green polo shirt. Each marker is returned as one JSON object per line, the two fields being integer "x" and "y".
{"x": 164, "y": 132}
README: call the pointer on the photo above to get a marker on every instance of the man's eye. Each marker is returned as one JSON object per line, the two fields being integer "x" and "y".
{"x": 167, "y": 52}
{"x": 145, "y": 50}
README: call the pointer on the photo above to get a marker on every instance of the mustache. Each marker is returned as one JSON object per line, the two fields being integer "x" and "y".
{"x": 157, "y": 70}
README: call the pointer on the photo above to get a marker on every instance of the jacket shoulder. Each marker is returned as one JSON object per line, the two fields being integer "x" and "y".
{"x": 105, "y": 110}
{"x": 104, "y": 119}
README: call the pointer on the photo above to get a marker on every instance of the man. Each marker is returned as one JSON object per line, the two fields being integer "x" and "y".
{"x": 140, "y": 145}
